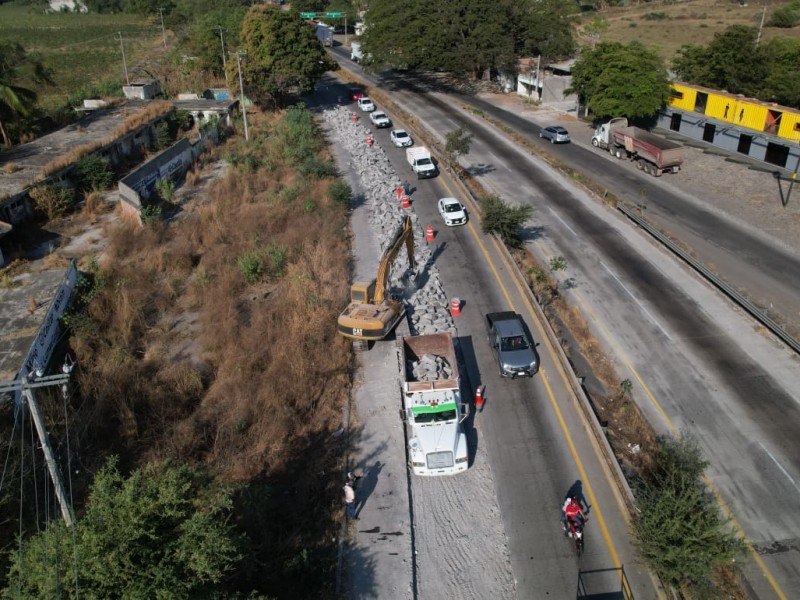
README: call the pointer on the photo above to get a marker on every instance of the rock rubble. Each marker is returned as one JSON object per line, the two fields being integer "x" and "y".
{"x": 430, "y": 367}
{"x": 421, "y": 290}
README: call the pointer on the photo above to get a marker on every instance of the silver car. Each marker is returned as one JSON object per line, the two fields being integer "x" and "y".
{"x": 556, "y": 134}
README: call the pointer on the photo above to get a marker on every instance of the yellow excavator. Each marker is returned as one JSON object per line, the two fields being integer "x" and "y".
{"x": 372, "y": 314}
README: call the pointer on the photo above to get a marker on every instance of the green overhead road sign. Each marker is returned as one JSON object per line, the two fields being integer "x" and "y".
{"x": 333, "y": 15}
{"x": 308, "y": 15}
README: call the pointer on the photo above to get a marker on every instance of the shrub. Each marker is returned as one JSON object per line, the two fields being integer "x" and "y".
{"x": 165, "y": 188}
{"x": 319, "y": 169}
{"x": 263, "y": 262}
{"x": 503, "y": 219}
{"x": 93, "y": 173}
{"x": 251, "y": 266}
{"x": 340, "y": 192}
{"x": 655, "y": 16}
{"x": 162, "y": 136}
{"x": 52, "y": 201}
{"x": 151, "y": 214}
{"x": 679, "y": 529}
{"x": 785, "y": 17}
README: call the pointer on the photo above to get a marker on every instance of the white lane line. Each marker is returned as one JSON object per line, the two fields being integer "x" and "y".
{"x": 563, "y": 222}
{"x": 789, "y": 477}
{"x": 635, "y": 299}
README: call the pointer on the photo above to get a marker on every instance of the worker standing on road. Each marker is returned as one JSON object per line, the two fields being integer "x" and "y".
{"x": 350, "y": 500}
{"x": 354, "y": 477}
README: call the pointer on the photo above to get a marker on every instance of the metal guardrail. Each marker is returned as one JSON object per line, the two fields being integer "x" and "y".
{"x": 605, "y": 584}
{"x": 729, "y": 291}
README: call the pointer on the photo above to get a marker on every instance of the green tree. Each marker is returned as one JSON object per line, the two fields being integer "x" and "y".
{"x": 15, "y": 99}
{"x": 162, "y": 532}
{"x": 782, "y": 83}
{"x": 283, "y": 55}
{"x": 463, "y": 36}
{"x": 543, "y": 28}
{"x": 620, "y": 80}
{"x": 202, "y": 39}
{"x": 457, "y": 144}
{"x": 501, "y": 218}
{"x": 93, "y": 173}
{"x": 786, "y": 16}
{"x": 730, "y": 62}
{"x": 679, "y": 530}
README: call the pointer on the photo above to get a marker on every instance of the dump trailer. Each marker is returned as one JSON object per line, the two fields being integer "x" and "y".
{"x": 653, "y": 154}
{"x": 372, "y": 313}
{"x": 432, "y": 407}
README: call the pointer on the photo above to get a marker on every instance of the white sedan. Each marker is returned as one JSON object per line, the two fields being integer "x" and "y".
{"x": 366, "y": 105}
{"x": 452, "y": 211}
{"x": 379, "y": 119}
{"x": 400, "y": 138}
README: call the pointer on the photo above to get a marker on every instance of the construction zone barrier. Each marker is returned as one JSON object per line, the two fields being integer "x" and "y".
{"x": 429, "y": 233}
{"x": 479, "y": 398}
{"x": 455, "y": 307}
{"x": 406, "y": 202}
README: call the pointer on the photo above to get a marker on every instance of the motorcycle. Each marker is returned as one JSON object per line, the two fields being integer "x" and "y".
{"x": 573, "y": 529}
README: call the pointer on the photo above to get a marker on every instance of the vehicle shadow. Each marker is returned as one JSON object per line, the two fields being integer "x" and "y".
{"x": 480, "y": 169}
{"x": 470, "y": 379}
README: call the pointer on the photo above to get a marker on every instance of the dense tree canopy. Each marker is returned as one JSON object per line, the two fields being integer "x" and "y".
{"x": 616, "y": 80}
{"x": 283, "y": 55}
{"x": 16, "y": 100}
{"x": 159, "y": 533}
{"x": 465, "y": 36}
{"x": 735, "y": 63}
{"x": 203, "y": 41}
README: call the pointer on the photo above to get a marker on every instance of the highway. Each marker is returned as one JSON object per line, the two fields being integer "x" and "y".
{"x": 698, "y": 364}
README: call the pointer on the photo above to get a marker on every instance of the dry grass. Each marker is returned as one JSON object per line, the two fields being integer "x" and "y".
{"x": 253, "y": 388}
{"x": 687, "y": 22}
{"x": 11, "y": 168}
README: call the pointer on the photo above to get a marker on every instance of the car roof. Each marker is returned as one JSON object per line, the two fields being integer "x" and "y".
{"x": 449, "y": 200}
{"x": 399, "y": 131}
{"x": 556, "y": 128}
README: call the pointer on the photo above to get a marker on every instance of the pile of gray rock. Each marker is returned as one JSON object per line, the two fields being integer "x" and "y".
{"x": 427, "y": 304}
{"x": 431, "y": 367}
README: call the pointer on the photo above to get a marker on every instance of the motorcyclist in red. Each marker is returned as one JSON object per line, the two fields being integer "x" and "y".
{"x": 574, "y": 515}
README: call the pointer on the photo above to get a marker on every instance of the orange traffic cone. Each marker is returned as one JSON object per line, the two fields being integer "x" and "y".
{"x": 479, "y": 398}
{"x": 429, "y": 233}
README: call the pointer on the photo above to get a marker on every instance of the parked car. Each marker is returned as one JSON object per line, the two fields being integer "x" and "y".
{"x": 366, "y": 104}
{"x": 380, "y": 120}
{"x": 556, "y": 134}
{"x": 400, "y": 138}
{"x": 452, "y": 211}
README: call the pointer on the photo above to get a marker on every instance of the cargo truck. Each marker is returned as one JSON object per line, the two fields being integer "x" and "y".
{"x": 432, "y": 407}
{"x": 421, "y": 162}
{"x": 355, "y": 51}
{"x": 653, "y": 155}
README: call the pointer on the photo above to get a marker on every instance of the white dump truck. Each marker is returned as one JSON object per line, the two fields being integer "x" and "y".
{"x": 432, "y": 407}
{"x": 421, "y": 162}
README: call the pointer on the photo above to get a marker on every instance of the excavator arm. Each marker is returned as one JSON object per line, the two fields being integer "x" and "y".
{"x": 404, "y": 235}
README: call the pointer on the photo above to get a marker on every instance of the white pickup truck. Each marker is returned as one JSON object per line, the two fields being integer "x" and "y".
{"x": 421, "y": 162}
{"x": 379, "y": 119}
{"x": 366, "y": 105}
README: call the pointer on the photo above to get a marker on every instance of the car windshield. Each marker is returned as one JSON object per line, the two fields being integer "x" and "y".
{"x": 516, "y": 342}
{"x": 452, "y": 208}
{"x": 437, "y": 417}
{"x": 400, "y": 135}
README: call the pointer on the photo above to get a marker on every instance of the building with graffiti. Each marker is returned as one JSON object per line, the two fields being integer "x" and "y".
{"x": 762, "y": 131}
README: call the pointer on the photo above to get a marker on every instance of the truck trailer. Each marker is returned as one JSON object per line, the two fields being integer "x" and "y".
{"x": 432, "y": 407}
{"x": 653, "y": 155}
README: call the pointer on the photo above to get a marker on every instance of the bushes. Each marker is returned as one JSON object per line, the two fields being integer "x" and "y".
{"x": 503, "y": 219}
{"x": 679, "y": 530}
{"x": 340, "y": 192}
{"x": 52, "y": 201}
{"x": 269, "y": 262}
{"x": 93, "y": 173}
{"x": 785, "y": 17}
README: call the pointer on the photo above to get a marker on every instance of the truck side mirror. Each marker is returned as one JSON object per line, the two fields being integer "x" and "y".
{"x": 464, "y": 412}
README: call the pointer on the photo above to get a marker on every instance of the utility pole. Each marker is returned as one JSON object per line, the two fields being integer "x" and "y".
{"x": 538, "y": 64}
{"x": 761, "y": 26}
{"x": 239, "y": 55}
{"x": 224, "y": 62}
{"x": 163, "y": 31}
{"x": 345, "y": 29}
{"x": 26, "y": 386}
{"x": 124, "y": 64}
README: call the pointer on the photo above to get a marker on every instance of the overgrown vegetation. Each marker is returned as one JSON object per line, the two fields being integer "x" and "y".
{"x": 93, "y": 174}
{"x": 679, "y": 530}
{"x": 52, "y": 201}
{"x": 182, "y": 360}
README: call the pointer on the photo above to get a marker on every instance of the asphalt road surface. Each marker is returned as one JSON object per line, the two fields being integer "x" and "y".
{"x": 698, "y": 364}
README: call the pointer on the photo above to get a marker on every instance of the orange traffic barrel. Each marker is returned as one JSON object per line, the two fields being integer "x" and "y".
{"x": 455, "y": 307}
{"x": 406, "y": 202}
{"x": 429, "y": 233}
{"x": 479, "y": 398}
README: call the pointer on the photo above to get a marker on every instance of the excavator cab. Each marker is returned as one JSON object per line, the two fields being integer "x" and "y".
{"x": 362, "y": 291}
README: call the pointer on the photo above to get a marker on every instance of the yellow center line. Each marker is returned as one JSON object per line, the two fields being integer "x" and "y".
{"x": 562, "y": 423}
{"x": 671, "y": 426}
